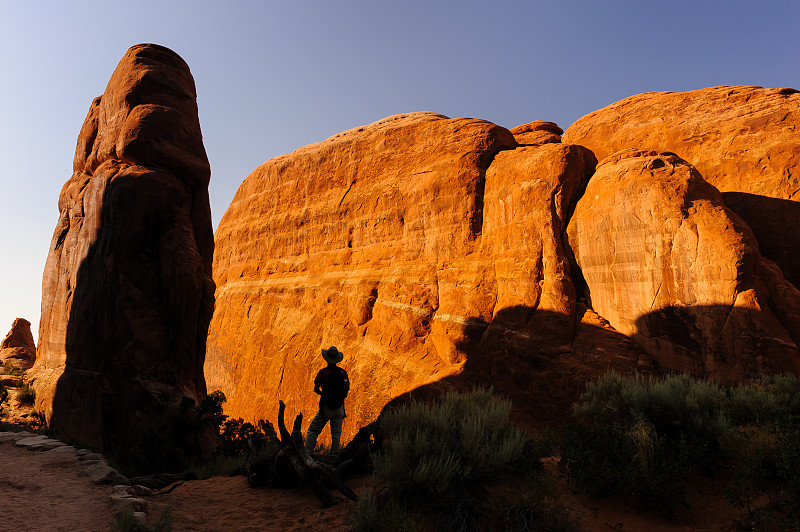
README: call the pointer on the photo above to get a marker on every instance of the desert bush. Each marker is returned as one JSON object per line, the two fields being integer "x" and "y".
{"x": 435, "y": 458}
{"x": 27, "y": 395}
{"x": 675, "y": 405}
{"x": 768, "y": 399}
{"x": 463, "y": 515}
{"x": 596, "y": 458}
{"x": 379, "y": 511}
{"x": 539, "y": 507}
{"x": 642, "y": 436}
{"x": 431, "y": 447}
{"x": 235, "y": 433}
{"x": 766, "y": 460}
{"x": 10, "y": 369}
{"x": 538, "y": 445}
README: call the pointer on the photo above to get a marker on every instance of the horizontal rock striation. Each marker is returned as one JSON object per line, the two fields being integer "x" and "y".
{"x": 127, "y": 288}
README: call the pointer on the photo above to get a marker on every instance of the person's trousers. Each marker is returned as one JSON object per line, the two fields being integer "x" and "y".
{"x": 336, "y": 417}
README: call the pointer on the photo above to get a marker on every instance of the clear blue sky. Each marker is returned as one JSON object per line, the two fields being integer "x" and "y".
{"x": 273, "y": 76}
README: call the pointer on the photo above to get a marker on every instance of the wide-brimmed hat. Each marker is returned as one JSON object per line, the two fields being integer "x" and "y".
{"x": 332, "y": 355}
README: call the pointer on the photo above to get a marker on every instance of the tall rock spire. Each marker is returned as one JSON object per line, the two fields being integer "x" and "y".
{"x": 127, "y": 293}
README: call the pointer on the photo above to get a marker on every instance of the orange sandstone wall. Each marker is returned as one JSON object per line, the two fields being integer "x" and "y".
{"x": 394, "y": 243}
{"x": 742, "y": 140}
{"x": 441, "y": 252}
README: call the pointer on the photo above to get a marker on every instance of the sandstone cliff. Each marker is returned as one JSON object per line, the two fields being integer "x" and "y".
{"x": 433, "y": 252}
{"x": 742, "y": 140}
{"x": 669, "y": 265}
{"x": 127, "y": 288}
{"x": 423, "y": 247}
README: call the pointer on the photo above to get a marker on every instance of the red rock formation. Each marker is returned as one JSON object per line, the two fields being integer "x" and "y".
{"x": 18, "y": 345}
{"x": 669, "y": 265}
{"x": 127, "y": 289}
{"x": 742, "y": 140}
{"x": 421, "y": 246}
{"x": 537, "y": 133}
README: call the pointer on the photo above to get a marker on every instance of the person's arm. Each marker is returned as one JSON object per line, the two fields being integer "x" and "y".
{"x": 318, "y": 383}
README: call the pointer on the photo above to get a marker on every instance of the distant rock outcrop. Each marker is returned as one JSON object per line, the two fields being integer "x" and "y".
{"x": 537, "y": 132}
{"x": 743, "y": 140}
{"x": 669, "y": 265}
{"x": 18, "y": 346}
{"x": 127, "y": 289}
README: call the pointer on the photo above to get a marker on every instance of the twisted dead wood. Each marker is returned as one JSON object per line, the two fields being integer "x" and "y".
{"x": 291, "y": 464}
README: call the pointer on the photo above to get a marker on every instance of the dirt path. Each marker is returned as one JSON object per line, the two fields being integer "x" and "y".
{"x": 49, "y": 491}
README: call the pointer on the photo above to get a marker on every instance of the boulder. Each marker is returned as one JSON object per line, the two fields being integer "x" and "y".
{"x": 742, "y": 140}
{"x": 18, "y": 346}
{"x": 136, "y": 505}
{"x": 127, "y": 288}
{"x": 102, "y": 473}
{"x": 537, "y": 133}
{"x": 666, "y": 263}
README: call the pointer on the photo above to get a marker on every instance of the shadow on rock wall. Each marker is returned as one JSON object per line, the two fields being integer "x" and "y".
{"x": 542, "y": 360}
{"x": 776, "y": 226}
{"x": 729, "y": 344}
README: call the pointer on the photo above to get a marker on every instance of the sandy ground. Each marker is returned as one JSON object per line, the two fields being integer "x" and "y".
{"x": 228, "y": 503}
{"x": 43, "y": 491}
{"x": 49, "y": 491}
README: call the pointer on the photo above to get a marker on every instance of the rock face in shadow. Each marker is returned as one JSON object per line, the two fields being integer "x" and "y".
{"x": 742, "y": 140}
{"x": 18, "y": 346}
{"x": 127, "y": 288}
{"x": 666, "y": 263}
{"x": 400, "y": 243}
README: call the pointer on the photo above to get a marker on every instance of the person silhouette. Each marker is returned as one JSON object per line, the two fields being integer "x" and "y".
{"x": 332, "y": 384}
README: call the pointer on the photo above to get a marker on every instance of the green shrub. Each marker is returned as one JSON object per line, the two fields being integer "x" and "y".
{"x": 27, "y": 396}
{"x": 539, "y": 507}
{"x": 675, "y": 405}
{"x": 643, "y": 436}
{"x": 766, "y": 400}
{"x": 463, "y": 515}
{"x": 767, "y": 462}
{"x": 235, "y": 433}
{"x": 10, "y": 369}
{"x": 428, "y": 448}
{"x": 382, "y": 512}
{"x": 597, "y": 458}
{"x": 537, "y": 446}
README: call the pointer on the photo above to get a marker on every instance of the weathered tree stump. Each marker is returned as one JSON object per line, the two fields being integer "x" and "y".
{"x": 291, "y": 465}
